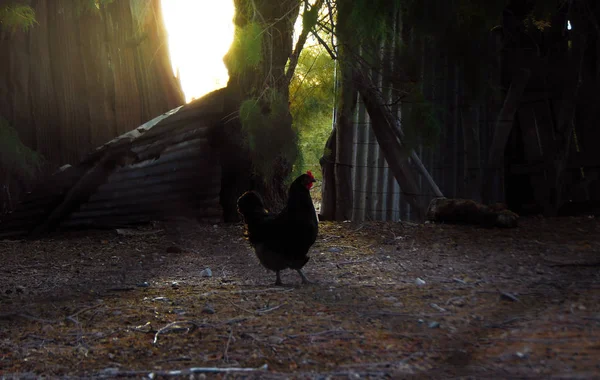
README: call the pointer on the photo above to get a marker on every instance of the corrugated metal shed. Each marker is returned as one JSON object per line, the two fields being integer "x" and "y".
{"x": 377, "y": 194}
{"x": 165, "y": 167}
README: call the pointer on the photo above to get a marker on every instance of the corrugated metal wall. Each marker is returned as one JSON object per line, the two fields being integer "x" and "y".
{"x": 172, "y": 169}
{"x": 377, "y": 195}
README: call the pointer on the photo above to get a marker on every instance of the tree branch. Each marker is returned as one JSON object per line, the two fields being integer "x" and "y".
{"x": 324, "y": 44}
{"x": 302, "y": 39}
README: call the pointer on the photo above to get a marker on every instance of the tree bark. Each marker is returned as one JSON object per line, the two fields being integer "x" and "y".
{"x": 276, "y": 19}
{"x": 328, "y": 190}
{"x": 347, "y": 103}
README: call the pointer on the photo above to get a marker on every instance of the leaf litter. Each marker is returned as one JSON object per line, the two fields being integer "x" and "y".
{"x": 389, "y": 300}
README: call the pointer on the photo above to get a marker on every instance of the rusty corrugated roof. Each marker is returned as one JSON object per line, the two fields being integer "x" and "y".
{"x": 165, "y": 167}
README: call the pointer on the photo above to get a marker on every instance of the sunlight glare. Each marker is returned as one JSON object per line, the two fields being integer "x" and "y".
{"x": 200, "y": 33}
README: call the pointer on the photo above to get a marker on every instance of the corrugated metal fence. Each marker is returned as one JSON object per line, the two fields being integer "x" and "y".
{"x": 377, "y": 195}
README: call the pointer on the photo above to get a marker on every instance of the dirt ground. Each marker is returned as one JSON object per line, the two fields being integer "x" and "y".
{"x": 389, "y": 300}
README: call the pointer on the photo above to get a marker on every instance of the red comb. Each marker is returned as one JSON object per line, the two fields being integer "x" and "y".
{"x": 309, "y": 173}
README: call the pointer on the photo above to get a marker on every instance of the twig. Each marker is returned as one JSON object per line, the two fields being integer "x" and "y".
{"x": 553, "y": 263}
{"x": 306, "y": 28}
{"x": 113, "y": 372}
{"x": 85, "y": 309}
{"x": 540, "y": 340}
{"x": 316, "y": 333}
{"x": 234, "y": 320}
{"x": 352, "y": 261}
{"x": 408, "y": 315}
{"x": 225, "y": 354}
{"x": 121, "y": 289}
{"x": 75, "y": 321}
{"x": 326, "y": 239}
{"x": 241, "y": 308}
{"x": 259, "y": 312}
{"x": 207, "y": 294}
{"x": 325, "y": 46}
{"x": 177, "y": 325}
{"x": 269, "y": 309}
{"x": 504, "y": 323}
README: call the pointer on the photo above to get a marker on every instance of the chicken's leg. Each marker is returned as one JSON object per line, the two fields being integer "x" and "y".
{"x": 304, "y": 279}
{"x": 278, "y": 280}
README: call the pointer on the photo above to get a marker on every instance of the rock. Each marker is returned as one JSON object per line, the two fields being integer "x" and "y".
{"x": 335, "y": 250}
{"x": 420, "y": 282}
{"x": 206, "y": 273}
{"x": 437, "y": 307}
{"x": 434, "y": 325}
{"x": 144, "y": 284}
{"x": 208, "y": 309}
{"x": 275, "y": 339}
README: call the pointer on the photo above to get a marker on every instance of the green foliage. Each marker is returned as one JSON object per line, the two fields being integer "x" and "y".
{"x": 267, "y": 136}
{"x": 14, "y": 156}
{"x": 372, "y": 20}
{"x": 14, "y": 16}
{"x": 246, "y": 50}
{"x": 311, "y": 103}
{"x": 17, "y": 16}
{"x": 310, "y": 17}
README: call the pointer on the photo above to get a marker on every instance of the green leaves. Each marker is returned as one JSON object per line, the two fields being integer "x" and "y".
{"x": 267, "y": 136}
{"x": 17, "y": 16}
{"x": 310, "y": 17}
{"x": 246, "y": 50}
{"x": 312, "y": 98}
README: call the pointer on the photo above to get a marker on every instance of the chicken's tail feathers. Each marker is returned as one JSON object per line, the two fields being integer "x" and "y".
{"x": 250, "y": 203}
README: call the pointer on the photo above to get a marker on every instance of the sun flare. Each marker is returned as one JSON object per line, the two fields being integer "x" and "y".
{"x": 200, "y": 33}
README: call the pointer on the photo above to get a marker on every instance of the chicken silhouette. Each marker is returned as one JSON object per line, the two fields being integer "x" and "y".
{"x": 282, "y": 241}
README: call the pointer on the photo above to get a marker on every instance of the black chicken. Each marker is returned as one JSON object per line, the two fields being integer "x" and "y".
{"x": 282, "y": 241}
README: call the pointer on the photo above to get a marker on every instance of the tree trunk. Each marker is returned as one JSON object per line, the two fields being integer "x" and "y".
{"x": 328, "y": 190}
{"x": 276, "y": 20}
{"x": 345, "y": 111}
